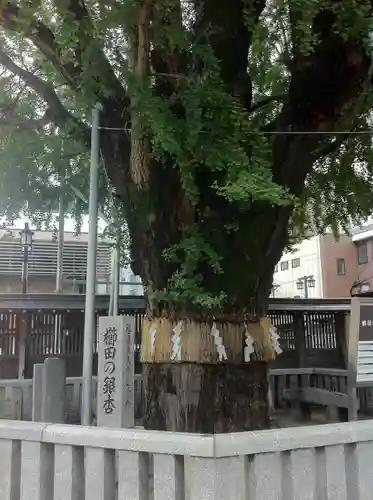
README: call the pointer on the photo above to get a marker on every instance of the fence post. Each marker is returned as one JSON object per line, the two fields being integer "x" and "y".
{"x": 37, "y": 392}
{"x": 216, "y": 478}
{"x": 22, "y": 338}
{"x": 300, "y": 339}
{"x": 342, "y": 323}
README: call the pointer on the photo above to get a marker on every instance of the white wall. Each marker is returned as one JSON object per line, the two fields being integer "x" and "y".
{"x": 310, "y": 264}
{"x": 134, "y": 287}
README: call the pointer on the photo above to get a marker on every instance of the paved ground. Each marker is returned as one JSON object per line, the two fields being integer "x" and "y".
{"x": 285, "y": 418}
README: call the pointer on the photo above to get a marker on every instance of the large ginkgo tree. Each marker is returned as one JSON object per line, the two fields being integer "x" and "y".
{"x": 227, "y": 127}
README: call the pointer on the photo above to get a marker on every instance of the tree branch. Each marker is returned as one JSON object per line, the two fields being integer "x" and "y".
{"x": 266, "y": 100}
{"x": 56, "y": 110}
{"x": 226, "y": 27}
{"x": 322, "y": 84}
{"x": 42, "y": 37}
{"x": 107, "y": 88}
{"x": 349, "y": 123}
{"x": 8, "y": 118}
{"x": 108, "y": 91}
{"x": 74, "y": 14}
{"x": 331, "y": 147}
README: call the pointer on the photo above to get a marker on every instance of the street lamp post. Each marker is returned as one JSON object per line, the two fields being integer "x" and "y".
{"x": 274, "y": 288}
{"x": 306, "y": 282}
{"x": 26, "y": 243}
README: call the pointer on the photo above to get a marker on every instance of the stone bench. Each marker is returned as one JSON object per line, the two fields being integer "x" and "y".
{"x": 302, "y": 400}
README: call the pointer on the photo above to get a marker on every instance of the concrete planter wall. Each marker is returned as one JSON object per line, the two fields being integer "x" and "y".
{"x": 62, "y": 462}
{"x": 16, "y": 398}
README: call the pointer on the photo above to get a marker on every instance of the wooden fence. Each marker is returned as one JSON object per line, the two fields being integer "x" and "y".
{"x": 52, "y": 333}
{"x": 310, "y": 338}
{"x": 312, "y": 333}
{"x": 62, "y": 462}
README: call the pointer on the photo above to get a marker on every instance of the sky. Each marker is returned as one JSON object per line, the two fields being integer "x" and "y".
{"x": 69, "y": 224}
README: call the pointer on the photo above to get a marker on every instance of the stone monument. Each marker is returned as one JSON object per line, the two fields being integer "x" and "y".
{"x": 53, "y": 391}
{"x": 116, "y": 377}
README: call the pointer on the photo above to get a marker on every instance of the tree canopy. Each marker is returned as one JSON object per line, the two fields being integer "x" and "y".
{"x": 226, "y": 127}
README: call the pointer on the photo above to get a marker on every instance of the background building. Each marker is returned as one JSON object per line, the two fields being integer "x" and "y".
{"x": 318, "y": 267}
{"x": 129, "y": 283}
{"x": 324, "y": 267}
{"x": 303, "y": 261}
{"x": 362, "y": 238}
{"x": 42, "y": 268}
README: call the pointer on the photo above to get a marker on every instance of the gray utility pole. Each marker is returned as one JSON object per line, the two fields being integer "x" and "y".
{"x": 306, "y": 282}
{"x": 61, "y": 236}
{"x": 115, "y": 278}
{"x": 90, "y": 297}
{"x": 115, "y": 262}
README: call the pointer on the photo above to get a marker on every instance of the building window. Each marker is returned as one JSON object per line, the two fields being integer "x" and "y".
{"x": 284, "y": 265}
{"x": 364, "y": 287}
{"x": 362, "y": 253}
{"x": 341, "y": 267}
{"x": 295, "y": 263}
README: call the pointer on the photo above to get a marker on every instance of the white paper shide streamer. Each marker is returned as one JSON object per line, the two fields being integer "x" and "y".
{"x": 249, "y": 348}
{"x": 176, "y": 341}
{"x": 220, "y": 348}
{"x": 152, "y": 333}
{"x": 274, "y": 338}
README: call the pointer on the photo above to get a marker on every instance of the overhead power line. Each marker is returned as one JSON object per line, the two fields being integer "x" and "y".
{"x": 277, "y": 132}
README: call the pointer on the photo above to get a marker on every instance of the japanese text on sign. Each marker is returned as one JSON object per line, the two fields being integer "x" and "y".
{"x": 129, "y": 363}
{"x": 110, "y": 338}
{"x": 367, "y": 322}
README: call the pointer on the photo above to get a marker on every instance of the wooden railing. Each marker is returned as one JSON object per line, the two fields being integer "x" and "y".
{"x": 330, "y": 379}
{"x": 60, "y": 462}
{"x": 334, "y": 380}
{"x": 311, "y": 331}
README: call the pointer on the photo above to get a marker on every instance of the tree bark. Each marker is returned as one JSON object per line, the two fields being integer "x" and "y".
{"x": 204, "y": 398}
{"x": 193, "y": 387}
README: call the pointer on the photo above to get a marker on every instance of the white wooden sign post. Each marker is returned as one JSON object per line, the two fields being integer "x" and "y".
{"x": 360, "y": 350}
{"x": 116, "y": 377}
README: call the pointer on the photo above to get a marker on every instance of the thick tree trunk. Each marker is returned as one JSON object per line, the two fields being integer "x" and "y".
{"x": 221, "y": 247}
{"x": 205, "y": 376}
{"x": 204, "y": 398}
